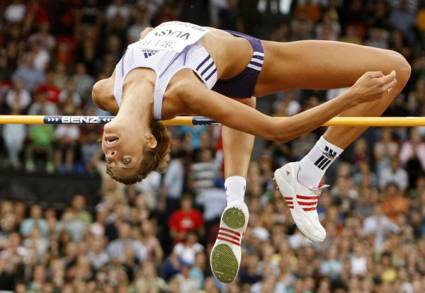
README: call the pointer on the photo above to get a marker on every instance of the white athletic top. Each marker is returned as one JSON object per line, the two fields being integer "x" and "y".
{"x": 167, "y": 49}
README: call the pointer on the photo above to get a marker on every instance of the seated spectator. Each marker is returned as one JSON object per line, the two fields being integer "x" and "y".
{"x": 198, "y": 269}
{"x": 147, "y": 280}
{"x": 394, "y": 203}
{"x": 60, "y": 76}
{"x": 141, "y": 21}
{"x": 96, "y": 253}
{"x": 41, "y": 105}
{"x": 43, "y": 36}
{"x": 395, "y": 173}
{"x": 187, "y": 250}
{"x": 14, "y": 137}
{"x": 41, "y": 138}
{"x": 186, "y": 282}
{"x": 203, "y": 173}
{"x": 37, "y": 243}
{"x": 79, "y": 209}
{"x": 30, "y": 76}
{"x": 149, "y": 239}
{"x": 70, "y": 94}
{"x": 125, "y": 246}
{"x": 66, "y": 137}
{"x": 83, "y": 82}
{"x": 185, "y": 220}
{"x": 18, "y": 98}
{"x": 384, "y": 150}
{"x": 49, "y": 88}
{"x": 173, "y": 183}
{"x": 15, "y": 11}
{"x": 412, "y": 155}
{"x": 73, "y": 225}
{"x": 34, "y": 221}
{"x": 89, "y": 136}
{"x": 332, "y": 266}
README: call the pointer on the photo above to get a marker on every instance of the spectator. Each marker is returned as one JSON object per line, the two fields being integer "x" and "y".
{"x": 395, "y": 203}
{"x": 30, "y": 76}
{"x": 49, "y": 88}
{"x": 172, "y": 187}
{"x": 41, "y": 139}
{"x": 70, "y": 95}
{"x": 394, "y": 174}
{"x": 148, "y": 280}
{"x": 42, "y": 105}
{"x": 83, "y": 82}
{"x": 123, "y": 247}
{"x": 186, "y": 251}
{"x": 34, "y": 221}
{"x": 66, "y": 138}
{"x": 185, "y": 220}
{"x": 15, "y": 11}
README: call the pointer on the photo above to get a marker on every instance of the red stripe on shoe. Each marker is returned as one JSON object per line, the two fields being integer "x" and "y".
{"x": 307, "y": 196}
{"x": 307, "y": 203}
{"x": 230, "y": 236}
{"x": 309, "y": 209}
{"x": 228, "y": 240}
{"x": 231, "y": 231}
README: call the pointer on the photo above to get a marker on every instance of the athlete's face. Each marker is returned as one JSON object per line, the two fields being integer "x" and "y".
{"x": 123, "y": 147}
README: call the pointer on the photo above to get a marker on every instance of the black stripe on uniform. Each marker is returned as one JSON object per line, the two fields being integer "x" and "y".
{"x": 202, "y": 63}
{"x": 211, "y": 74}
{"x": 208, "y": 67}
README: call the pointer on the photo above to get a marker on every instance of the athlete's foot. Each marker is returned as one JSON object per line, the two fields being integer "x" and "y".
{"x": 225, "y": 256}
{"x": 302, "y": 201}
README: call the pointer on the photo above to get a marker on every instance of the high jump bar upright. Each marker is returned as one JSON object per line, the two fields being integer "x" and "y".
{"x": 199, "y": 120}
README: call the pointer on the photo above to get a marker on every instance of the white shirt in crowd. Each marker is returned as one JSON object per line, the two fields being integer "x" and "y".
{"x": 398, "y": 176}
{"x": 187, "y": 253}
{"x": 117, "y": 249}
{"x": 23, "y": 96}
{"x": 213, "y": 200}
{"x": 70, "y": 131}
{"x": 174, "y": 179}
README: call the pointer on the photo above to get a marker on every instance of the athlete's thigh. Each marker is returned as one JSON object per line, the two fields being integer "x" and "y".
{"x": 320, "y": 64}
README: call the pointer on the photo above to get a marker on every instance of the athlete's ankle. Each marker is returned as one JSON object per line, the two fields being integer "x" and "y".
{"x": 314, "y": 165}
{"x": 235, "y": 189}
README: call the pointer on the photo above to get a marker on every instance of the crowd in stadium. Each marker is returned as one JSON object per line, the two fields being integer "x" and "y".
{"x": 156, "y": 236}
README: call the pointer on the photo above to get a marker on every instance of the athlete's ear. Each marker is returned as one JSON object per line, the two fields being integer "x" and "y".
{"x": 150, "y": 140}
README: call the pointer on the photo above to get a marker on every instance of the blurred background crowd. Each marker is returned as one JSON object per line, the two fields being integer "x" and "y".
{"x": 156, "y": 236}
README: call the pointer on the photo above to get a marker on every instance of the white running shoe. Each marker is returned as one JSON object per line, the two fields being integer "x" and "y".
{"x": 225, "y": 257}
{"x": 302, "y": 201}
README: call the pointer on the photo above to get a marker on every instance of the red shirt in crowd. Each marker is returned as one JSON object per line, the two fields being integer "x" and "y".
{"x": 185, "y": 221}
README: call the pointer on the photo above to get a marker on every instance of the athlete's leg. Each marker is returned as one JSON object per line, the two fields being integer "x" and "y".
{"x": 237, "y": 148}
{"x": 326, "y": 64}
{"x": 321, "y": 65}
{"x": 226, "y": 253}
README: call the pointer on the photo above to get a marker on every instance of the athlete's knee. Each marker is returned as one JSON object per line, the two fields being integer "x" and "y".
{"x": 402, "y": 68}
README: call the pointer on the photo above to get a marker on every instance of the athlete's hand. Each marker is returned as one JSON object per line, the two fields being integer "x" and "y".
{"x": 372, "y": 86}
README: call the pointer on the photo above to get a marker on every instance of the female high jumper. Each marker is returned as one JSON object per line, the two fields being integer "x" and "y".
{"x": 183, "y": 69}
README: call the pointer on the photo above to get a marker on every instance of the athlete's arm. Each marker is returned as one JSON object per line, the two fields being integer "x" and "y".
{"x": 145, "y": 32}
{"x": 102, "y": 97}
{"x": 233, "y": 114}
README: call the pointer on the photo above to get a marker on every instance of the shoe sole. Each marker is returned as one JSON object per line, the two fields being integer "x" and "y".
{"x": 224, "y": 263}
